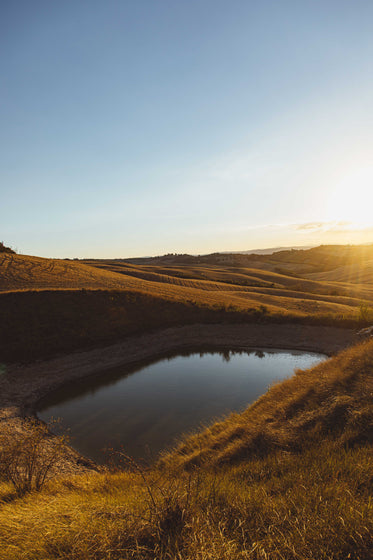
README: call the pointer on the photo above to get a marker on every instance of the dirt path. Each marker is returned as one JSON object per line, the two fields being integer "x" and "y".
{"x": 21, "y": 386}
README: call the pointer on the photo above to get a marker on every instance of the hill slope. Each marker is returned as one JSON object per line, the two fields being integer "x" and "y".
{"x": 52, "y": 305}
{"x": 290, "y": 478}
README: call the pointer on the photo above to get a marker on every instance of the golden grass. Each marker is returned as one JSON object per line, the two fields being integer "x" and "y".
{"x": 290, "y": 478}
{"x": 332, "y": 400}
{"x": 19, "y": 272}
{"x": 49, "y": 306}
{"x": 303, "y": 491}
{"x": 357, "y": 273}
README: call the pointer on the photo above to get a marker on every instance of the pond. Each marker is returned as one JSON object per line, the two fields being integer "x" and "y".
{"x": 146, "y": 408}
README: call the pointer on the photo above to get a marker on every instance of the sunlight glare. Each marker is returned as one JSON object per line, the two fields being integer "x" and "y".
{"x": 351, "y": 198}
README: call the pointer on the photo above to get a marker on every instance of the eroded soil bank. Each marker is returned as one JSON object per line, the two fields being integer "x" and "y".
{"x": 21, "y": 386}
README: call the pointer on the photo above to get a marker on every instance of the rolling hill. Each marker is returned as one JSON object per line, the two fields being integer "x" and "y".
{"x": 76, "y": 304}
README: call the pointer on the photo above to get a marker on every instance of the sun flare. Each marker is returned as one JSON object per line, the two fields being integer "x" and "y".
{"x": 352, "y": 197}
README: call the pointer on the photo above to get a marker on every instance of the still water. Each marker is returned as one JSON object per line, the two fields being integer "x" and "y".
{"x": 146, "y": 409}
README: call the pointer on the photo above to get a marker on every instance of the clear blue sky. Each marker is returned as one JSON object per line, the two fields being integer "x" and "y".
{"x": 140, "y": 127}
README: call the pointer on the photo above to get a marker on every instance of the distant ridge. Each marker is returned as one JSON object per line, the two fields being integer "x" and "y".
{"x": 208, "y": 257}
{"x": 269, "y": 251}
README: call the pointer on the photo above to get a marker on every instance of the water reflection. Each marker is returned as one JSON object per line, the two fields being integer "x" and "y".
{"x": 147, "y": 407}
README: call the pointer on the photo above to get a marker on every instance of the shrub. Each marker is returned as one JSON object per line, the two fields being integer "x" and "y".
{"x": 4, "y": 249}
{"x": 27, "y": 458}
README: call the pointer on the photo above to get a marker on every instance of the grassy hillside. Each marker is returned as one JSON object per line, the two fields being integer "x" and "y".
{"x": 49, "y": 306}
{"x": 332, "y": 401}
{"x": 290, "y": 478}
{"x": 316, "y": 259}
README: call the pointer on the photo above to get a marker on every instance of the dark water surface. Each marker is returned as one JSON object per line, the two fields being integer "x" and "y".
{"x": 146, "y": 409}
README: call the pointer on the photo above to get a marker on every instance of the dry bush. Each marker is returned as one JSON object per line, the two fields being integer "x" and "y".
{"x": 27, "y": 457}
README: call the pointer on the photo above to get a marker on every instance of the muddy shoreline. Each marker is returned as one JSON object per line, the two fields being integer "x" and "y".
{"x": 22, "y": 386}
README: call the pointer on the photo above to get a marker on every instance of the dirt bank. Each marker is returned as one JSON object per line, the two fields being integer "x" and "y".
{"x": 21, "y": 386}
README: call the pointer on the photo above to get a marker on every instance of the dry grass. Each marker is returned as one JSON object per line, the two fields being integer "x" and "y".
{"x": 357, "y": 273}
{"x": 333, "y": 400}
{"x": 29, "y": 457}
{"x": 50, "y": 306}
{"x": 290, "y": 478}
{"x": 309, "y": 498}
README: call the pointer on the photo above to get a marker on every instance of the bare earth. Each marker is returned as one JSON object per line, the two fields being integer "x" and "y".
{"x": 22, "y": 386}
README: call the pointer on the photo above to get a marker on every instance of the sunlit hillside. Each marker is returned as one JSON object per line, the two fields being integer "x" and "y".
{"x": 290, "y": 478}
{"x": 75, "y": 304}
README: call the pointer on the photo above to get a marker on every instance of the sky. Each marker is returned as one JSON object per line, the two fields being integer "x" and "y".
{"x": 144, "y": 127}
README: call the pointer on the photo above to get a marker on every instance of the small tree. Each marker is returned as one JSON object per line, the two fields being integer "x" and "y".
{"x": 4, "y": 249}
{"x": 27, "y": 457}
